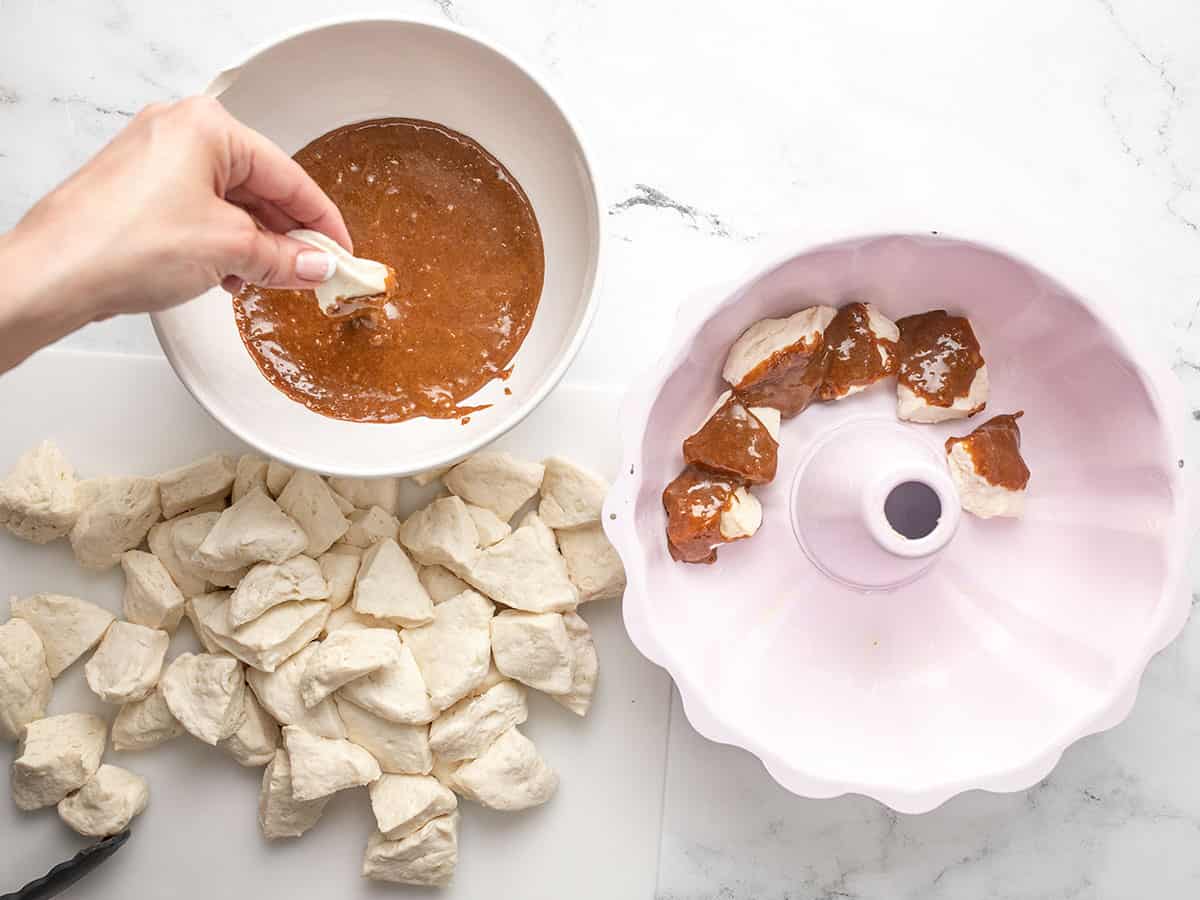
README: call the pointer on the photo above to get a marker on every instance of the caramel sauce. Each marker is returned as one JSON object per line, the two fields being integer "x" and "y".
{"x": 733, "y": 442}
{"x": 694, "y": 502}
{"x": 854, "y": 350}
{"x": 995, "y": 449}
{"x": 464, "y": 244}
{"x": 788, "y": 379}
{"x": 939, "y": 356}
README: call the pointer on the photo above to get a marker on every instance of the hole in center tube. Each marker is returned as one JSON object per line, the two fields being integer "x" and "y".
{"x": 912, "y": 509}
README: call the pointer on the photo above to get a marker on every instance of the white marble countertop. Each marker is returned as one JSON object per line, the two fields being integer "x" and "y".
{"x": 1067, "y": 130}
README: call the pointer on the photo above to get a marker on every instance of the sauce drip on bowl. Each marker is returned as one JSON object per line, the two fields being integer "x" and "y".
{"x": 464, "y": 243}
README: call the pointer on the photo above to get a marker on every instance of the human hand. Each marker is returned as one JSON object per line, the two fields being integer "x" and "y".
{"x": 184, "y": 198}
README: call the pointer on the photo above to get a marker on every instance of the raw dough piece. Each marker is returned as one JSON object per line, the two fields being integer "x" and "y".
{"x": 280, "y": 814}
{"x": 571, "y": 494}
{"x": 345, "y": 507}
{"x": 364, "y": 493}
{"x": 779, "y": 362}
{"x": 425, "y": 857}
{"x": 345, "y": 656}
{"x": 25, "y": 684}
{"x": 308, "y": 500}
{"x": 127, "y": 664}
{"x": 279, "y": 694}
{"x": 524, "y": 571}
{"x": 250, "y": 473}
{"x": 278, "y": 476}
{"x": 144, "y": 724}
{"x": 268, "y": 640}
{"x": 398, "y": 748}
{"x": 442, "y": 534}
{"x": 254, "y": 743}
{"x": 395, "y": 692}
{"x": 387, "y": 587}
{"x": 56, "y": 755}
{"x": 107, "y": 803}
{"x": 69, "y": 627}
{"x": 115, "y": 515}
{"x": 988, "y": 470}
{"x": 187, "y": 576}
{"x": 38, "y": 500}
{"x": 151, "y": 597}
{"x": 205, "y": 693}
{"x": 340, "y": 570}
{"x": 585, "y": 666}
{"x": 353, "y": 277}
{"x": 453, "y": 652}
{"x": 470, "y": 726}
{"x": 253, "y": 530}
{"x": 496, "y": 481}
{"x": 187, "y": 536}
{"x": 441, "y": 583}
{"x": 489, "y": 527}
{"x": 421, "y": 479}
{"x": 736, "y": 441}
{"x": 370, "y": 526}
{"x": 267, "y": 585}
{"x": 937, "y": 353}
{"x": 510, "y": 775}
{"x": 861, "y": 344}
{"x": 743, "y": 517}
{"x": 404, "y": 803}
{"x": 534, "y": 649}
{"x": 344, "y": 617}
{"x": 204, "y": 481}
{"x": 592, "y": 564}
{"x": 322, "y": 766}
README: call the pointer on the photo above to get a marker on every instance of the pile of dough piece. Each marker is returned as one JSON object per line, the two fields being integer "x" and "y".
{"x": 342, "y": 647}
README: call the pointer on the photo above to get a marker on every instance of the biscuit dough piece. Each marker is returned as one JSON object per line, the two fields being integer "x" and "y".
{"x": 308, "y": 500}
{"x": 489, "y": 527}
{"x": 280, "y": 814}
{"x": 345, "y": 618}
{"x": 323, "y": 766}
{"x": 279, "y": 694}
{"x": 941, "y": 372}
{"x": 743, "y": 517}
{"x": 249, "y": 473}
{"x": 510, "y": 775}
{"x": 369, "y": 526}
{"x": 340, "y": 570}
{"x": 592, "y": 563}
{"x": 204, "y": 481}
{"x": 442, "y": 534}
{"x": 56, "y": 755}
{"x": 453, "y": 651}
{"x": 151, "y": 596}
{"x": 396, "y": 692}
{"x": 988, "y": 470}
{"x": 780, "y": 362}
{"x": 524, "y": 571}
{"x": 187, "y": 576}
{"x": 399, "y": 749}
{"x": 107, "y": 803}
{"x": 470, "y": 726}
{"x": 205, "y": 692}
{"x": 736, "y": 441}
{"x": 38, "y": 500}
{"x": 144, "y": 724}
{"x": 115, "y": 515}
{"x": 254, "y": 743}
{"x": 425, "y": 857}
{"x": 363, "y": 493}
{"x": 253, "y": 530}
{"x": 267, "y": 585}
{"x": 354, "y": 278}
{"x": 69, "y": 627}
{"x": 534, "y": 649}
{"x": 441, "y": 583}
{"x": 404, "y": 803}
{"x": 387, "y": 587}
{"x": 187, "y": 536}
{"x": 496, "y": 481}
{"x": 127, "y": 664}
{"x": 571, "y": 494}
{"x": 345, "y": 656}
{"x": 585, "y": 666}
{"x": 278, "y": 476}
{"x": 862, "y": 345}
{"x": 265, "y": 642}
{"x": 421, "y": 479}
{"x": 25, "y": 684}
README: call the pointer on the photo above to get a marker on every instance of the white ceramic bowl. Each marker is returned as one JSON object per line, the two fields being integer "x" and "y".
{"x": 330, "y": 75}
{"x": 850, "y": 665}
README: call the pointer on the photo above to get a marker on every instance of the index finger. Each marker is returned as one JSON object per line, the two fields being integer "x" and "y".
{"x": 260, "y": 168}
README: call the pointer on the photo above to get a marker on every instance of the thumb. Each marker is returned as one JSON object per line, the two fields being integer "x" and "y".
{"x": 278, "y": 261}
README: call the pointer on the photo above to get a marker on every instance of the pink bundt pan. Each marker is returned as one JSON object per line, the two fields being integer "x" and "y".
{"x": 849, "y": 659}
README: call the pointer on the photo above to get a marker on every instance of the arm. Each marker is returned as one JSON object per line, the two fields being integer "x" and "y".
{"x": 183, "y": 199}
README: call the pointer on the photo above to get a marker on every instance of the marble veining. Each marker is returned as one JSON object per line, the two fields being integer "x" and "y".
{"x": 1067, "y": 131}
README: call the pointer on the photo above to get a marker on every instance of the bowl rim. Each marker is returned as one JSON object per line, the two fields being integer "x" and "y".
{"x": 1165, "y": 394}
{"x": 211, "y": 403}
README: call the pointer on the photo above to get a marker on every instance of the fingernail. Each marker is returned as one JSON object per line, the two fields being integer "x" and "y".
{"x": 315, "y": 265}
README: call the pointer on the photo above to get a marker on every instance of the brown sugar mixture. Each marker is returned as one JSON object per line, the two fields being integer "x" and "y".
{"x": 734, "y": 442}
{"x": 995, "y": 449}
{"x": 788, "y": 379}
{"x": 857, "y": 356}
{"x": 694, "y": 502}
{"x": 462, "y": 238}
{"x": 939, "y": 356}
